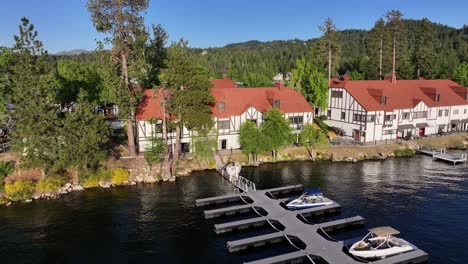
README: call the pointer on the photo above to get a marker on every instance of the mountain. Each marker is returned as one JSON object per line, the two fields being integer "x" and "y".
{"x": 74, "y": 52}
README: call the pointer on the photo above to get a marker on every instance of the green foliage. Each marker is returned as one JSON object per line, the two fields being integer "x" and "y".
{"x": 252, "y": 140}
{"x": 36, "y": 112}
{"x": 6, "y": 168}
{"x": 460, "y": 74}
{"x": 355, "y": 75}
{"x": 325, "y": 128}
{"x": 275, "y": 128}
{"x": 154, "y": 152}
{"x": 402, "y": 153}
{"x": 312, "y": 137}
{"x": 50, "y": 184}
{"x": 19, "y": 190}
{"x": 91, "y": 179}
{"x": 119, "y": 175}
{"x": 189, "y": 86}
{"x": 204, "y": 144}
{"x": 311, "y": 82}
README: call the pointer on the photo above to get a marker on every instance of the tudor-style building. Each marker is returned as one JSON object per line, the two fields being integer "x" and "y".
{"x": 371, "y": 111}
{"x": 233, "y": 106}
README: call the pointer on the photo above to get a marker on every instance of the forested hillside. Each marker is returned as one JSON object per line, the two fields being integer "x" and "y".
{"x": 255, "y": 63}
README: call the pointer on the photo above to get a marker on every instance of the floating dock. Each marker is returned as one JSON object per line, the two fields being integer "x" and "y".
{"x": 443, "y": 155}
{"x": 292, "y": 226}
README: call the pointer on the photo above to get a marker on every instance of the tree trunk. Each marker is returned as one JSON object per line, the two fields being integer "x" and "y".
{"x": 380, "y": 58}
{"x": 329, "y": 66}
{"x": 130, "y": 137}
{"x": 394, "y": 60}
{"x": 175, "y": 156}
{"x": 166, "y": 164}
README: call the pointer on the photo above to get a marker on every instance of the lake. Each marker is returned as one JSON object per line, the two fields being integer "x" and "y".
{"x": 426, "y": 200}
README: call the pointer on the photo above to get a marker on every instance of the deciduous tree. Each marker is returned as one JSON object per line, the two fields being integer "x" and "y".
{"x": 275, "y": 128}
{"x": 311, "y": 82}
{"x": 460, "y": 74}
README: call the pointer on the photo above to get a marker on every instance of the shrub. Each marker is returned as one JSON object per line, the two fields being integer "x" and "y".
{"x": 407, "y": 152}
{"x": 50, "y": 184}
{"x": 6, "y": 168}
{"x": 19, "y": 190}
{"x": 119, "y": 175}
{"x": 91, "y": 179}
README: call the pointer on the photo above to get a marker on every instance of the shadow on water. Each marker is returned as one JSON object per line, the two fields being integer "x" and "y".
{"x": 427, "y": 201}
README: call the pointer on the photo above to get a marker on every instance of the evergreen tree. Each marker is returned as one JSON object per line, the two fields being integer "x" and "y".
{"x": 378, "y": 51}
{"x": 123, "y": 21}
{"x": 329, "y": 44}
{"x": 275, "y": 128}
{"x": 424, "y": 49}
{"x": 83, "y": 136}
{"x": 156, "y": 54}
{"x": 394, "y": 25}
{"x": 35, "y": 113}
{"x": 189, "y": 96}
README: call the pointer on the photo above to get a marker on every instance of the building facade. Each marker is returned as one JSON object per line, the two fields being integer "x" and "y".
{"x": 369, "y": 111}
{"x": 233, "y": 106}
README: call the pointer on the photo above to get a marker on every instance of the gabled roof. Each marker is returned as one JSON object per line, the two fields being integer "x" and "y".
{"x": 236, "y": 101}
{"x": 223, "y": 83}
{"x": 404, "y": 94}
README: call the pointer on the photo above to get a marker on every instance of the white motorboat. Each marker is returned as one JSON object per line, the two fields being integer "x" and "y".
{"x": 310, "y": 198}
{"x": 380, "y": 243}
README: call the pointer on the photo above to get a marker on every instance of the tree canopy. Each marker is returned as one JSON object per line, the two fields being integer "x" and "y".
{"x": 275, "y": 128}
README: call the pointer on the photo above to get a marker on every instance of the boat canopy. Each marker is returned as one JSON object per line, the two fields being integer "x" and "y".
{"x": 384, "y": 231}
{"x": 313, "y": 191}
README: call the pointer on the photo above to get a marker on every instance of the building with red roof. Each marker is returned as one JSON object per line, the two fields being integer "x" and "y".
{"x": 233, "y": 106}
{"x": 374, "y": 110}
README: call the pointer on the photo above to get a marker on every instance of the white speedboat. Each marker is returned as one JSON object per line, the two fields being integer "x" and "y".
{"x": 310, "y": 198}
{"x": 380, "y": 243}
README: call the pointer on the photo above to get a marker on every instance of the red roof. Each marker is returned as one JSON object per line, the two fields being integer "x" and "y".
{"x": 150, "y": 105}
{"x": 404, "y": 94}
{"x": 236, "y": 101}
{"x": 223, "y": 83}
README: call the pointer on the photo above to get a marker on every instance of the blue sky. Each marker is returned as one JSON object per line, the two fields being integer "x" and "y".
{"x": 66, "y": 25}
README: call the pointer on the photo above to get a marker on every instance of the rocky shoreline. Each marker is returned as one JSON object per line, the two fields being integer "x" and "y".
{"x": 141, "y": 172}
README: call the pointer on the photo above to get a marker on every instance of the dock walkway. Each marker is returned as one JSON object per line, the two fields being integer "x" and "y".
{"x": 443, "y": 155}
{"x": 289, "y": 226}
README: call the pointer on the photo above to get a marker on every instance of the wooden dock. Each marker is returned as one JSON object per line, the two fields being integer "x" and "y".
{"x": 291, "y": 226}
{"x": 443, "y": 155}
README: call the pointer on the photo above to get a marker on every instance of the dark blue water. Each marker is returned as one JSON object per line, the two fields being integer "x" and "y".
{"x": 427, "y": 201}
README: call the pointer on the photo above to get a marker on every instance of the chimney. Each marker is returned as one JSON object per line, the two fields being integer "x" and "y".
{"x": 279, "y": 84}
{"x": 225, "y": 77}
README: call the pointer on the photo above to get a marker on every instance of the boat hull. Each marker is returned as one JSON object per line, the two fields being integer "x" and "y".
{"x": 380, "y": 253}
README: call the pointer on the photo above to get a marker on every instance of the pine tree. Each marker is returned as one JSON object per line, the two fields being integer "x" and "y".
{"x": 329, "y": 43}
{"x": 424, "y": 49}
{"x": 35, "y": 114}
{"x": 156, "y": 54}
{"x": 189, "y": 96}
{"x": 395, "y": 28}
{"x": 378, "y": 51}
{"x": 123, "y": 21}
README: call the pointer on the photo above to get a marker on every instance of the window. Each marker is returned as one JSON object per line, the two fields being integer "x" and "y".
{"x": 440, "y": 112}
{"x": 383, "y": 100}
{"x": 359, "y": 118}
{"x": 276, "y": 103}
{"x": 337, "y": 94}
{"x": 417, "y": 115}
{"x": 297, "y": 120}
{"x": 370, "y": 118}
{"x": 225, "y": 124}
{"x": 406, "y": 115}
{"x": 455, "y": 111}
{"x": 329, "y": 113}
{"x": 446, "y": 112}
{"x": 343, "y": 115}
{"x": 389, "y": 117}
{"x": 388, "y": 132}
{"x": 464, "y": 111}
{"x": 221, "y": 106}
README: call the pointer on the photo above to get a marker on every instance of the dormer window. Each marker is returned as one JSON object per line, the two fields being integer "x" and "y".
{"x": 383, "y": 100}
{"x": 276, "y": 103}
{"x": 437, "y": 98}
{"x": 221, "y": 106}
